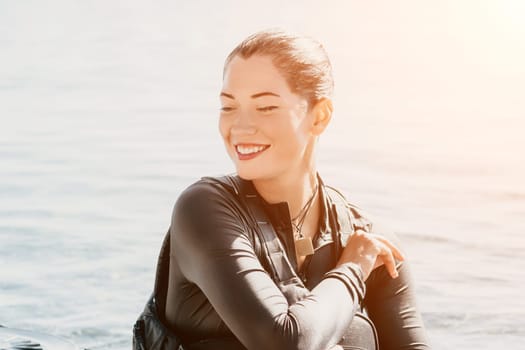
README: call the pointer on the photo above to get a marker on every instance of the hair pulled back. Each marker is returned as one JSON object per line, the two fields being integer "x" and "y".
{"x": 301, "y": 60}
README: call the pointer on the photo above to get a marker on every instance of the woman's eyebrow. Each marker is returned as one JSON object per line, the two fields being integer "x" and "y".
{"x": 265, "y": 93}
{"x": 260, "y": 94}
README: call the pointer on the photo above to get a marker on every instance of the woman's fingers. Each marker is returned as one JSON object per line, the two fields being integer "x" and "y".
{"x": 395, "y": 250}
{"x": 386, "y": 255}
{"x": 371, "y": 250}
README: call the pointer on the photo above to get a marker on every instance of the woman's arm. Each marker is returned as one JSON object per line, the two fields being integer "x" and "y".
{"x": 214, "y": 251}
{"x": 391, "y": 304}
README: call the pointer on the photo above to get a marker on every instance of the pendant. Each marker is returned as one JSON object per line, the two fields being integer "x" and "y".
{"x": 304, "y": 246}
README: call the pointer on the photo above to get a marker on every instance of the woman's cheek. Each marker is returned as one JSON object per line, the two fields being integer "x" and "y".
{"x": 223, "y": 128}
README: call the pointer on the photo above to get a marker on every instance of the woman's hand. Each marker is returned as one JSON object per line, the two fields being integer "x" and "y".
{"x": 369, "y": 251}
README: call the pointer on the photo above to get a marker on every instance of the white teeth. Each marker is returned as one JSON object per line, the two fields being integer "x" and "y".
{"x": 249, "y": 149}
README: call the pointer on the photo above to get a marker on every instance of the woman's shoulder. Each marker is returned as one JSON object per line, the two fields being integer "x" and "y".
{"x": 361, "y": 218}
{"x": 207, "y": 194}
{"x": 205, "y": 207}
{"x": 337, "y": 196}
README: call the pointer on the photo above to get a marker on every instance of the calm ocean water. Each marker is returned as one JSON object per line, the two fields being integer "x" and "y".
{"x": 108, "y": 111}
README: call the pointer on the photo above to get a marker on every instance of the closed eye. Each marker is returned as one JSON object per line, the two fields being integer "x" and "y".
{"x": 267, "y": 108}
{"x": 227, "y": 109}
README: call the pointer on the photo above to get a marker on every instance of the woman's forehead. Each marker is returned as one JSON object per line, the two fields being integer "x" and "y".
{"x": 254, "y": 75}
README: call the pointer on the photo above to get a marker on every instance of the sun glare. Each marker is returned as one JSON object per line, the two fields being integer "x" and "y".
{"x": 492, "y": 33}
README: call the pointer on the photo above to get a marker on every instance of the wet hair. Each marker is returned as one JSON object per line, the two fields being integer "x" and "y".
{"x": 301, "y": 60}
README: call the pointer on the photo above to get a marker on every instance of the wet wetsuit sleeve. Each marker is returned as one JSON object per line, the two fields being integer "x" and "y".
{"x": 391, "y": 304}
{"x": 214, "y": 251}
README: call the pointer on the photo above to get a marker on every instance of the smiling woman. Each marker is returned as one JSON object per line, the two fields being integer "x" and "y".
{"x": 272, "y": 258}
{"x": 264, "y": 121}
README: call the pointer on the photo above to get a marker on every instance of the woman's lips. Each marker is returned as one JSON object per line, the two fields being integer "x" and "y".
{"x": 249, "y": 151}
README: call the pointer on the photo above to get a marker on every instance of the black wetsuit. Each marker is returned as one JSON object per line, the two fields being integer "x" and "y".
{"x": 219, "y": 288}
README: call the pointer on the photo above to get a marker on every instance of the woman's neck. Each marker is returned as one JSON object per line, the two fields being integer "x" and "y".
{"x": 295, "y": 190}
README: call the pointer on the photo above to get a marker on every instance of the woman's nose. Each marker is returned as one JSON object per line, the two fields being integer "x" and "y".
{"x": 243, "y": 125}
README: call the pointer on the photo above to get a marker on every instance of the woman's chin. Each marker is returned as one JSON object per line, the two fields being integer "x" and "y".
{"x": 249, "y": 173}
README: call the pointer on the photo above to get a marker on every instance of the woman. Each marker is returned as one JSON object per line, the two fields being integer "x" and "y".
{"x": 275, "y": 104}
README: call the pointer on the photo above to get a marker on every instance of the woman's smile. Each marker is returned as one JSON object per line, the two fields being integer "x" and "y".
{"x": 246, "y": 151}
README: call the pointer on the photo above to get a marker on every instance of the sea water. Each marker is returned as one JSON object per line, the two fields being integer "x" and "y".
{"x": 109, "y": 110}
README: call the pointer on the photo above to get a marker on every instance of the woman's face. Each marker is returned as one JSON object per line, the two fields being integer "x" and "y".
{"x": 264, "y": 125}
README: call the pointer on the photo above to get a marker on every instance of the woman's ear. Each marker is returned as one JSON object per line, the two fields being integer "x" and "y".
{"x": 322, "y": 114}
